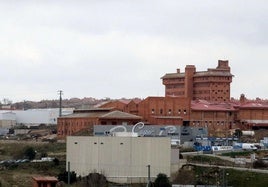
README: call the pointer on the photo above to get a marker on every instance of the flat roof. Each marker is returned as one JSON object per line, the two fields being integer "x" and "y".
{"x": 45, "y": 178}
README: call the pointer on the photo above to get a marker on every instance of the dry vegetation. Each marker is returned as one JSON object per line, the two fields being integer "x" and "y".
{"x": 20, "y": 174}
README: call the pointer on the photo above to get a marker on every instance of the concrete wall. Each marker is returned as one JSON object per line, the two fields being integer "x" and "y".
{"x": 7, "y": 119}
{"x": 120, "y": 159}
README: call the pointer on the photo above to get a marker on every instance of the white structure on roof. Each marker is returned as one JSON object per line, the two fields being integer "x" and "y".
{"x": 120, "y": 159}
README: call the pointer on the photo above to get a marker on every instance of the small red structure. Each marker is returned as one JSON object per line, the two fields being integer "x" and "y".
{"x": 44, "y": 181}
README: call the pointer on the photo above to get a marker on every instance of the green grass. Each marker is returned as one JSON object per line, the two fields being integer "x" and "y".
{"x": 237, "y": 154}
{"x": 203, "y": 159}
{"x": 198, "y": 175}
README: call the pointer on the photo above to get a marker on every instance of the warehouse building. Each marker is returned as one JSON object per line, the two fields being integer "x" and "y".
{"x": 120, "y": 159}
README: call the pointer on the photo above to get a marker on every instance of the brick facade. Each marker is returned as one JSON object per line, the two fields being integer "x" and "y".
{"x": 199, "y": 99}
{"x": 164, "y": 110}
{"x": 211, "y": 85}
{"x": 86, "y": 119}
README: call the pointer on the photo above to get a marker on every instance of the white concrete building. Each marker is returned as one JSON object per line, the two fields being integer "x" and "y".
{"x": 120, "y": 159}
{"x": 7, "y": 119}
{"x": 35, "y": 117}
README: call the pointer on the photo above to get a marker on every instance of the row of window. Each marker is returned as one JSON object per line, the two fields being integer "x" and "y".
{"x": 179, "y": 112}
{"x": 180, "y": 93}
{"x": 197, "y": 123}
{"x": 175, "y": 86}
{"x": 212, "y": 78}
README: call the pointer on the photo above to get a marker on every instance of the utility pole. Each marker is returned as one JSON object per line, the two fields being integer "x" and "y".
{"x": 60, "y": 92}
{"x": 149, "y": 176}
{"x": 69, "y": 174}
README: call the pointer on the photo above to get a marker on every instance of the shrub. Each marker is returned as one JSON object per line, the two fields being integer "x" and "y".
{"x": 259, "y": 164}
{"x": 64, "y": 177}
{"x": 29, "y": 153}
{"x": 162, "y": 181}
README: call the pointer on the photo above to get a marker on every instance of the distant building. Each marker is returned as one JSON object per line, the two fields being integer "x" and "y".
{"x": 120, "y": 159}
{"x": 211, "y": 85}
{"x": 36, "y": 117}
{"x": 7, "y": 119}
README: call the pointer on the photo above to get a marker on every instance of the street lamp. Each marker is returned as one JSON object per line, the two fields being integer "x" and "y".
{"x": 227, "y": 174}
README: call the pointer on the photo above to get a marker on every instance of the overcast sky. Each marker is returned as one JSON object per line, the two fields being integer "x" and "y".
{"x": 121, "y": 48}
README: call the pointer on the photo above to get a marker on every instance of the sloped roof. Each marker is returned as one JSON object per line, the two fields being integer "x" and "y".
{"x": 173, "y": 75}
{"x": 198, "y": 73}
{"x": 253, "y": 105}
{"x": 103, "y": 115}
{"x": 207, "y": 106}
{"x": 119, "y": 115}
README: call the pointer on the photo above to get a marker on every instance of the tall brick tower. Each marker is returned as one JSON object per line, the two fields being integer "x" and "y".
{"x": 189, "y": 78}
{"x": 211, "y": 85}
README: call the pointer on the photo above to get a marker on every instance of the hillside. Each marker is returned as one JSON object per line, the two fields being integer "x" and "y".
{"x": 86, "y": 102}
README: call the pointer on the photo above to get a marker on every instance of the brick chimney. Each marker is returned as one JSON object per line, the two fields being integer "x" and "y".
{"x": 189, "y": 78}
{"x": 242, "y": 99}
{"x": 223, "y": 65}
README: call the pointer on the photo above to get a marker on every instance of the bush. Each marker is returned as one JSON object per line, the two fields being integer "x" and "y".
{"x": 259, "y": 164}
{"x": 162, "y": 181}
{"x": 56, "y": 161}
{"x": 64, "y": 177}
{"x": 29, "y": 153}
{"x": 94, "y": 179}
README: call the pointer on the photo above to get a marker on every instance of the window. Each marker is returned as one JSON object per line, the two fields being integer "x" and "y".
{"x": 103, "y": 123}
{"x": 169, "y": 111}
{"x": 152, "y": 111}
{"x": 161, "y": 111}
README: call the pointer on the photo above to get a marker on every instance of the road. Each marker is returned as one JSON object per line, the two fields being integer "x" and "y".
{"x": 229, "y": 167}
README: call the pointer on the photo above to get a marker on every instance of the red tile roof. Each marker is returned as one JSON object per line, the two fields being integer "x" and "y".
{"x": 47, "y": 178}
{"x": 252, "y": 105}
{"x": 207, "y": 106}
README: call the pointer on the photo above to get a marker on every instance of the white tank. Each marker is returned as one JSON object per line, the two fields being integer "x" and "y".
{"x": 125, "y": 134}
{"x": 248, "y": 133}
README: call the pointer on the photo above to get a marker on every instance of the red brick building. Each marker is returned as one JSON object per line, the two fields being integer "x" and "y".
{"x": 252, "y": 113}
{"x": 165, "y": 110}
{"x": 44, "y": 181}
{"x": 219, "y": 118}
{"x": 193, "y": 98}
{"x": 86, "y": 119}
{"x": 211, "y": 85}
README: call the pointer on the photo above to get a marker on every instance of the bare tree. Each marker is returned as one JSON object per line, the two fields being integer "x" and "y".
{"x": 6, "y": 101}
